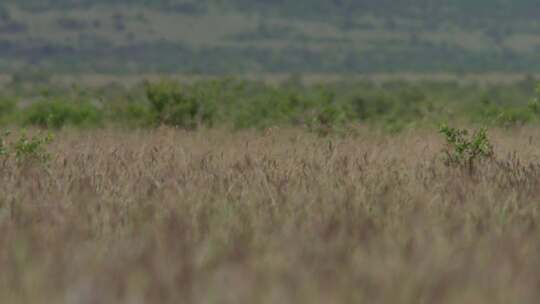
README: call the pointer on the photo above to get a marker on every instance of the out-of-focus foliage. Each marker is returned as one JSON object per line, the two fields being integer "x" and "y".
{"x": 58, "y": 113}
{"x": 309, "y": 36}
{"x": 174, "y": 105}
{"x": 237, "y": 104}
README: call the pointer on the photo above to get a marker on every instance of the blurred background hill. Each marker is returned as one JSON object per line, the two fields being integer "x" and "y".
{"x": 270, "y": 36}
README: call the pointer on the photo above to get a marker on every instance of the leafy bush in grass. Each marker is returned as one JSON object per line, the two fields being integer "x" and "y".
{"x": 56, "y": 114}
{"x": 26, "y": 150}
{"x": 30, "y": 150}
{"x": 464, "y": 149}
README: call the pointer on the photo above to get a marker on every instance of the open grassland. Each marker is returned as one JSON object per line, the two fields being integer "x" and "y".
{"x": 284, "y": 216}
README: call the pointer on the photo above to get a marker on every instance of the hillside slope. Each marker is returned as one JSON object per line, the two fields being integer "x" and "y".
{"x": 310, "y": 36}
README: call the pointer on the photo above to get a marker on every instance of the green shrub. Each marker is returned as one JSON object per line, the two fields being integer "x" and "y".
{"x": 463, "y": 150}
{"x": 534, "y": 104}
{"x": 502, "y": 116}
{"x": 328, "y": 119}
{"x": 174, "y": 105}
{"x": 512, "y": 117}
{"x": 57, "y": 114}
{"x": 3, "y": 144}
{"x": 328, "y": 114}
{"x": 26, "y": 150}
{"x": 31, "y": 150}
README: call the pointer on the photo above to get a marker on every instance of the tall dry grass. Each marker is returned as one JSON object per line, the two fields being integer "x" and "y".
{"x": 208, "y": 217}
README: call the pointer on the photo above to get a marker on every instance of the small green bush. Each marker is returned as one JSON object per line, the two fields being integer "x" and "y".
{"x": 3, "y": 144}
{"x": 534, "y": 104}
{"x": 30, "y": 150}
{"x": 25, "y": 149}
{"x": 512, "y": 117}
{"x": 329, "y": 115}
{"x": 463, "y": 150}
{"x": 328, "y": 119}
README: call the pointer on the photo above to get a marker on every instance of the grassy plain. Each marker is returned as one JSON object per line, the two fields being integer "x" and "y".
{"x": 281, "y": 216}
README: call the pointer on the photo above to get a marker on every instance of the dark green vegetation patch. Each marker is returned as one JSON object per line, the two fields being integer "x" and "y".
{"x": 239, "y": 104}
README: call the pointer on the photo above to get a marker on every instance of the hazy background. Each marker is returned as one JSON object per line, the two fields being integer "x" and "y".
{"x": 270, "y": 36}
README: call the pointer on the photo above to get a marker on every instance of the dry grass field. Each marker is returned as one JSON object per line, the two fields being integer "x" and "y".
{"x": 167, "y": 216}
